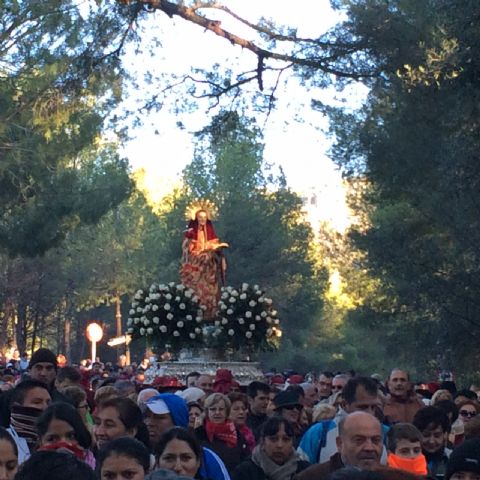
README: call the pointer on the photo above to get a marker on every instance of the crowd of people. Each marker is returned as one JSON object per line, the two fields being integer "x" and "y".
{"x": 100, "y": 421}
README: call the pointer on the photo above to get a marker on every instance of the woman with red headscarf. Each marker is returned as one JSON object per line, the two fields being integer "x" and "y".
{"x": 203, "y": 264}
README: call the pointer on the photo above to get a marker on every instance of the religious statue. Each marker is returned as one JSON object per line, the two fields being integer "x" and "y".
{"x": 203, "y": 264}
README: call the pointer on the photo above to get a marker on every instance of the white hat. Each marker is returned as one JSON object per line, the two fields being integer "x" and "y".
{"x": 157, "y": 406}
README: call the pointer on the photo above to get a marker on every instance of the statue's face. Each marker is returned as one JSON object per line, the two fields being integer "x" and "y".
{"x": 202, "y": 218}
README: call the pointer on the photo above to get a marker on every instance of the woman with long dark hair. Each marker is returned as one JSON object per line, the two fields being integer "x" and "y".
{"x": 61, "y": 427}
{"x": 275, "y": 457}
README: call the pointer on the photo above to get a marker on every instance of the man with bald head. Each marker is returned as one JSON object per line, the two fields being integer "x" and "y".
{"x": 359, "y": 444}
{"x": 402, "y": 404}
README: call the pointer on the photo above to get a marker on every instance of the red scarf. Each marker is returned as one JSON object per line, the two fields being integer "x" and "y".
{"x": 225, "y": 432}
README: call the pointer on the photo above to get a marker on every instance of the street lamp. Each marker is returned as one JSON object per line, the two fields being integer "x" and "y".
{"x": 94, "y": 334}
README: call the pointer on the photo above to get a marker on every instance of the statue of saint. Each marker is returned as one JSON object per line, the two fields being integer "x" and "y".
{"x": 203, "y": 265}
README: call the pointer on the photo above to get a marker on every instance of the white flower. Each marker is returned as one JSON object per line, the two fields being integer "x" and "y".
{"x": 248, "y": 334}
{"x": 195, "y": 299}
{"x": 130, "y": 330}
{"x": 177, "y": 298}
{"x": 274, "y": 313}
{"x": 176, "y": 333}
{"x": 276, "y": 321}
{"x": 129, "y": 322}
{"x": 198, "y": 331}
{"x": 269, "y": 320}
{"x": 146, "y": 322}
{"x": 229, "y": 311}
{"x": 180, "y": 287}
{"x": 252, "y": 303}
{"x": 182, "y": 306}
{"x": 142, "y": 331}
{"x": 231, "y": 332}
{"x": 188, "y": 293}
{"x": 188, "y": 317}
{"x": 251, "y": 326}
{"x": 234, "y": 293}
{"x": 224, "y": 321}
{"x": 258, "y": 318}
{"x": 162, "y": 286}
{"x": 143, "y": 319}
{"x": 154, "y": 308}
{"x": 149, "y": 330}
{"x": 268, "y": 301}
{"x": 229, "y": 289}
{"x": 156, "y": 320}
{"x": 203, "y": 307}
{"x": 192, "y": 335}
{"x": 180, "y": 324}
{"x": 223, "y": 306}
{"x": 169, "y": 316}
{"x": 232, "y": 300}
{"x": 244, "y": 287}
{"x": 198, "y": 319}
{"x": 139, "y": 309}
{"x": 147, "y": 300}
{"x": 166, "y": 306}
{"x": 132, "y": 312}
{"x": 163, "y": 328}
{"x": 243, "y": 296}
{"x": 217, "y": 323}
{"x": 134, "y": 304}
{"x": 261, "y": 300}
{"x": 269, "y": 331}
{"x": 136, "y": 320}
{"x": 168, "y": 296}
{"x": 224, "y": 296}
{"x": 241, "y": 321}
{"x": 263, "y": 314}
{"x": 256, "y": 287}
{"x": 171, "y": 284}
{"x": 248, "y": 314}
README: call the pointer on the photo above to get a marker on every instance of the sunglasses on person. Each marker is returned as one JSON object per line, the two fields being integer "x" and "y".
{"x": 466, "y": 413}
{"x": 337, "y": 387}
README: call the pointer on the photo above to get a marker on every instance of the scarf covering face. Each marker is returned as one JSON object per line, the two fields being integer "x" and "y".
{"x": 272, "y": 470}
{"x": 23, "y": 420}
{"x": 225, "y": 432}
{"x": 417, "y": 465}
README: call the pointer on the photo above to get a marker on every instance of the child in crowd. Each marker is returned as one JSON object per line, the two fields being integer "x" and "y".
{"x": 405, "y": 450}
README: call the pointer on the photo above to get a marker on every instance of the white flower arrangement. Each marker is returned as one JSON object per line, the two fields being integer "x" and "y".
{"x": 245, "y": 319}
{"x": 166, "y": 315}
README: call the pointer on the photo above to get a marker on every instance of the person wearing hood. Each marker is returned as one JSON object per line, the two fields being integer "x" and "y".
{"x": 168, "y": 410}
{"x": 464, "y": 462}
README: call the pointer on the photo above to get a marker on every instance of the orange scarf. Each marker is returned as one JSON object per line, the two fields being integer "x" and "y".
{"x": 225, "y": 432}
{"x": 417, "y": 465}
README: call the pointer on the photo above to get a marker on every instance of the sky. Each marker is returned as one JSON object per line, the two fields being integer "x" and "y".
{"x": 300, "y": 148}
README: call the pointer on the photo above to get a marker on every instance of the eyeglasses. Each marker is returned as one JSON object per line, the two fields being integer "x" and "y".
{"x": 466, "y": 413}
{"x": 337, "y": 387}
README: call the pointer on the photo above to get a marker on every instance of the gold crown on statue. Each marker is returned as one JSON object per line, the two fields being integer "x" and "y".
{"x": 202, "y": 204}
